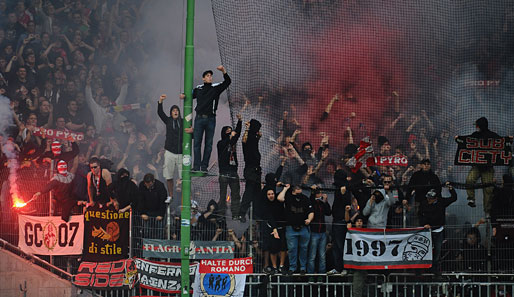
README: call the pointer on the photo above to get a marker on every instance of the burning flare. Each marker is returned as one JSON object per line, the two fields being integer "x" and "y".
{"x": 17, "y": 202}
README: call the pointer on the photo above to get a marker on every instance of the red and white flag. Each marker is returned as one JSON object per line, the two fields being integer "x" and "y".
{"x": 364, "y": 156}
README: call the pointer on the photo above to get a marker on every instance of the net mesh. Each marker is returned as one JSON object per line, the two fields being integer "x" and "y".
{"x": 416, "y": 73}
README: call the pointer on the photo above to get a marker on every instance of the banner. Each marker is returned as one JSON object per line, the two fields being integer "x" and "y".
{"x": 166, "y": 249}
{"x": 50, "y": 235}
{"x": 120, "y": 274}
{"x": 364, "y": 156}
{"x": 58, "y": 134}
{"x": 106, "y": 234}
{"x": 160, "y": 276}
{"x": 222, "y": 277}
{"x": 396, "y": 160}
{"x": 388, "y": 248}
{"x": 489, "y": 151}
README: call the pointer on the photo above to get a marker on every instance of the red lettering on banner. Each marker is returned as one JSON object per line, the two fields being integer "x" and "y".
{"x": 90, "y": 266}
{"x": 103, "y": 267}
{"x": 116, "y": 280}
{"x": 480, "y": 157}
{"x": 499, "y": 143}
{"x": 471, "y": 143}
{"x": 101, "y": 281}
{"x": 82, "y": 279}
{"x": 506, "y": 157}
{"x": 118, "y": 266}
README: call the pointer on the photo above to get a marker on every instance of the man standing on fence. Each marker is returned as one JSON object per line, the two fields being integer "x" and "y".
{"x": 432, "y": 214}
{"x": 207, "y": 97}
{"x": 173, "y": 143}
{"x": 227, "y": 162}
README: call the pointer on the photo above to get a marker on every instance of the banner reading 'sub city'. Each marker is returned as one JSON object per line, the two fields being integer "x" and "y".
{"x": 121, "y": 274}
{"x": 161, "y": 276}
{"x": 50, "y": 235}
{"x": 222, "y": 277}
{"x": 166, "y": 249}
{"x": 388, "y": 249}
{"x": 489, "y": 151}
{"x": 106, "y": 234}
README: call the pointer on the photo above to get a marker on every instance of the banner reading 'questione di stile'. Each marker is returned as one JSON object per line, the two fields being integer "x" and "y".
{"x": 388, "y": 248}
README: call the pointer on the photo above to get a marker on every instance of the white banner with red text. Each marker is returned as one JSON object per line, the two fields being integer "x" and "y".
{"x": 51, "y": 235}
{"x": 226, "y": 277}
{"x": 388, "y": 248}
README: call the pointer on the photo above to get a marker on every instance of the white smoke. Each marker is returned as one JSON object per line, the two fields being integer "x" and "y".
{"x": 8, "y": 147}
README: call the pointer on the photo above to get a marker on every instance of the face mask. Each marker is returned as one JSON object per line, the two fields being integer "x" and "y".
{"x": 56, "y": 148}
{"x": 62, "y": 168}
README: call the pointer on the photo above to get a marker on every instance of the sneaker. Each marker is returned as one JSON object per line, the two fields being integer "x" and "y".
{"x": 332, "y": 272}
{"x": 344, "y": 272}
{"x": 268, "y": 270}
{"x": 168, "y": 200}
{"x": 282, "y": 269}
{"x": 472, "y": 203}
{"x": 303, "y": 272}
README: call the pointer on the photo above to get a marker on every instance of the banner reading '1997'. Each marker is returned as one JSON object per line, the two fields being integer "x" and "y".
{"x": 388, "y": 249}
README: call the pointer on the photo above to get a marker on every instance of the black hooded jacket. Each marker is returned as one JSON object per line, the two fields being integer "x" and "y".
{"x": 173, "y": 141}
{"x": 251, "y": 153}
{"x": 484, "y": 133}
{"x": 340, "y": 200}
{"x": 227, "y": 155}
{"x": 125, "y": 190}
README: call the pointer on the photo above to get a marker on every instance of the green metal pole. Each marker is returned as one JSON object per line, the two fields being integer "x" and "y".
{"x": 185, "y": 228}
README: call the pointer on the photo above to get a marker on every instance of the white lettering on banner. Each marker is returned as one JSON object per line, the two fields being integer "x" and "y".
{"x": 397, "y": 248}
{"x": 51, "y": 235}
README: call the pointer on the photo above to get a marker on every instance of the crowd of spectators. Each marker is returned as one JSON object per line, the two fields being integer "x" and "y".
{"x": 74, "y": 66}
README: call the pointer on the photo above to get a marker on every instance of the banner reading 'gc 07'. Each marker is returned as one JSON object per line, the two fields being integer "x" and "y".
{"x": 51, "y": 235}
{"x": 388, "y": 249}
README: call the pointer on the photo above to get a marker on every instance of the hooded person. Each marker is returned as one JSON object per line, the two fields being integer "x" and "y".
{"x": 485, "y": 172}
{"x": 125, "y": 190}
{"x": 172, "y": 144}
{"x": 342, "y": 198}
{"x": 227, "y": 163}
{"x": 209, "y": 221}
{"x": 252, "y": 170}
{"x": 62, "y": 186}
{"x": 273, "y": 230}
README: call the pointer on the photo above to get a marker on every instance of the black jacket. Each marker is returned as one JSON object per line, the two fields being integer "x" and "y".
{"x": 173, "y": 141}
{"x": 297, "y": 209}
{"x": 340, "y": 200}
{"x": 422, "y": 182}
{"x": 227, "y": 155}
{"x": 321, "y": 209}
{"x": 208, "y": 95}
{"x": 251, "y": 153}
{"x": 434, "y": 214}
{"x": 153, "y": 200}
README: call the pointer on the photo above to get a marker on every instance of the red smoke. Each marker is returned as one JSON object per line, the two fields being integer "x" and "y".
{"x": 363, "y": 59}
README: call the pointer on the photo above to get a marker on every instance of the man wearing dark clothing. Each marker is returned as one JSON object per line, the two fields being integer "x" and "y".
{"x": 318, "y": 242}
{"x": 125, "y": 190}
{"x": 273, "y": 226}
{"x": 299, "y": 214}
{"x": 207, "y": 97}
{"x": 486, "y": 172}
{"x": 172, "y": 144}
{"x": 152, "y": 206}
{"x": 62, "y": 185}
{"x": 227, "y": 162}
{"x": 342, "y": 198}
{"x": 419, "y": 184}
{"x": 432, "y": 212}
{"x": 252, "y": 171}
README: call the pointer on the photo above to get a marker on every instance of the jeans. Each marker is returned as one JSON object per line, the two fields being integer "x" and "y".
{"x": 201, "y": 125}
{"x": 297, "y": 240}
{"x": 487, "y": 177}
{"x": 231, "y": 180}
{"x": 338, "y": 240}
{"x": 252, "y": 191}
{"x": 318, "y": 245}
{"x": 437, "y": 242}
